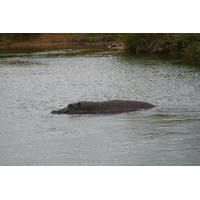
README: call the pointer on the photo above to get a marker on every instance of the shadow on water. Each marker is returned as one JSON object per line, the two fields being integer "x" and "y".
{"x": 161, "y": 59}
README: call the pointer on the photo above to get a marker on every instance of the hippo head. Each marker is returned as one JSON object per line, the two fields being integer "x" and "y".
{"x": 75, "y": 108}
{"x": 83, "y": 107}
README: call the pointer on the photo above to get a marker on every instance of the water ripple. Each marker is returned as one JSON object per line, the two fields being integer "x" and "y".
{"x": 34, "y": 83}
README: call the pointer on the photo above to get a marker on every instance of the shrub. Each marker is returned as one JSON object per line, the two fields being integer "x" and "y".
{"x": 187, "y": 44}
{"x": 93, "y": 39}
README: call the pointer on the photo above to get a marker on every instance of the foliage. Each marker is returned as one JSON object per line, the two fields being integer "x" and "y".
{"x": 187, "y": 44}
{"x": 93, "y": 39}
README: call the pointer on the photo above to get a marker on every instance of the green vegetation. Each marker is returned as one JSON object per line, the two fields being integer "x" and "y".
{"x": 185, "y": 44}
{"x": 93, "y": 39}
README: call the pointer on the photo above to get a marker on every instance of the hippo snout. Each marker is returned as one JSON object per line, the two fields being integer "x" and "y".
{"x": 61, "y": 111}
{"x": 54, "y": 112}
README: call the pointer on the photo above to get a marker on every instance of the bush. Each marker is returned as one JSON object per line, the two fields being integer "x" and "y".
{"x": 93, "y": 39}
{"x": 187, "y": 44}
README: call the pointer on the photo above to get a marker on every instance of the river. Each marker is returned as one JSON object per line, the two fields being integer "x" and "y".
{"x": 33, "y": 82}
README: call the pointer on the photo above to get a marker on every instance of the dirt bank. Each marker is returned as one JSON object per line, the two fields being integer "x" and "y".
{"x": 65, "y": 39}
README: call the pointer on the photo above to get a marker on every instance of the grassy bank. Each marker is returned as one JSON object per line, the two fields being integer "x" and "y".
{"x": 47, "y": 39}
{"x": 185, "y": 44}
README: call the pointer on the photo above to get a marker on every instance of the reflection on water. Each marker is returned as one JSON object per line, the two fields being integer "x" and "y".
{"x": 34, "y": 82}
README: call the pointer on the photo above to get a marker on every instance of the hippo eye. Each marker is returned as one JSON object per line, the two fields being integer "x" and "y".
{"x": 69, "y": 106}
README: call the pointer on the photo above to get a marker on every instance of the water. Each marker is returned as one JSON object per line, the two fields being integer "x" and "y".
{"x": 33, "y": 82}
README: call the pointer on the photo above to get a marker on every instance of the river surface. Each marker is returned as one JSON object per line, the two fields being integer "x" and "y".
{"x": 33, "y": 82}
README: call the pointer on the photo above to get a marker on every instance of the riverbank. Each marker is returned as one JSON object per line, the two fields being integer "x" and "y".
{"x": 187, "y": 45}
{"x": 57, "y": 39}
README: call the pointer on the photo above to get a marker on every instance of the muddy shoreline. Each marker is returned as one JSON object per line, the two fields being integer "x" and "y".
{"x": 67, "y": 40}
{"x": 103, "y": 45}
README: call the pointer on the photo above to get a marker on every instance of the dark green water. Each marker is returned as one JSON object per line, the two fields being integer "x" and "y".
{"x": 35, "y": 82}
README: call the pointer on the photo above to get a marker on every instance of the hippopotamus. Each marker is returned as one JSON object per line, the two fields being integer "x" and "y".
{"x": 112, "y": 106}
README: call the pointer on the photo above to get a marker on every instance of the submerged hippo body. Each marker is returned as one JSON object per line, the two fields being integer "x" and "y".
{"x": 113, "y": 106}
